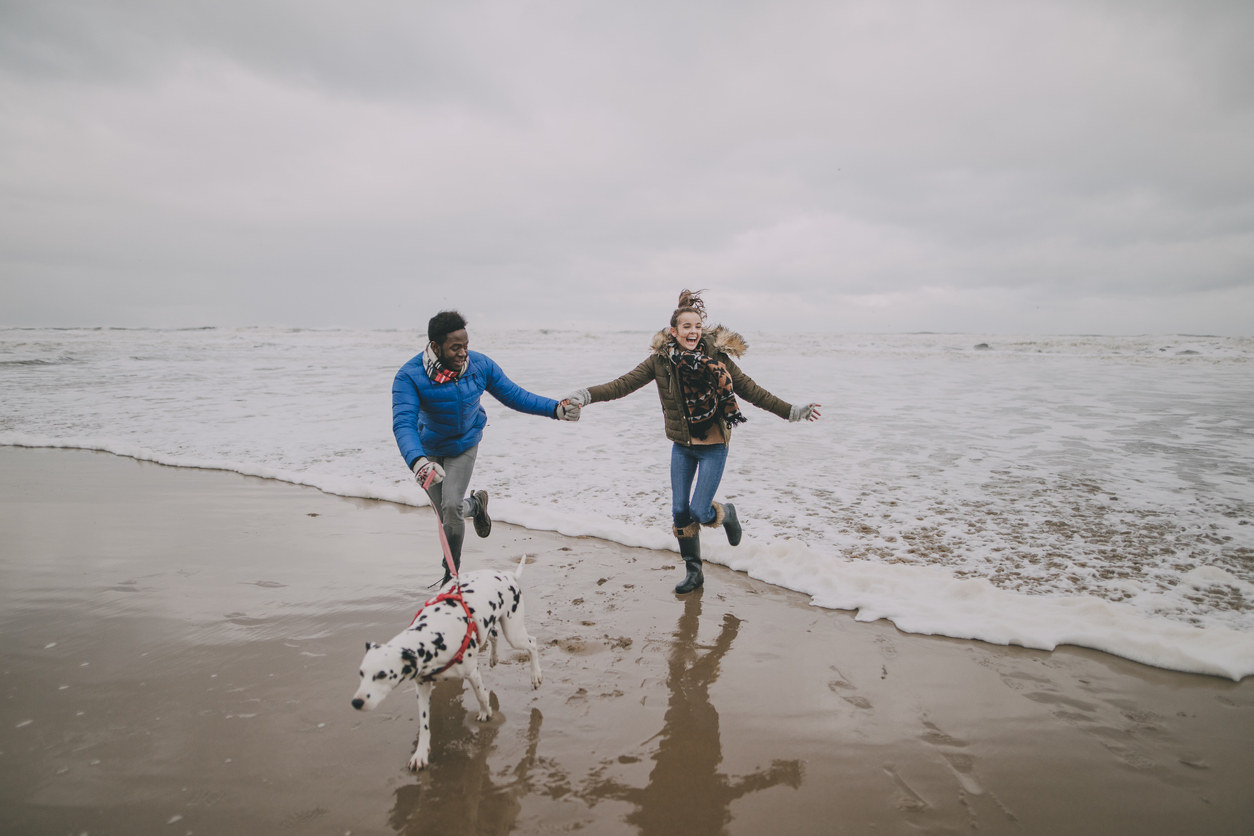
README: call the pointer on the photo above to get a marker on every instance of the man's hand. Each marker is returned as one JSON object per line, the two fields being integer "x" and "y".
{"x": 567, "y": 410}
{"x": 809, "y": 412}
{"x": 422, "y": 468}
{"x": 580, "y": 398}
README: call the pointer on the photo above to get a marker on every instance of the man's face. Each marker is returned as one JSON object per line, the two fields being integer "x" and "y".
{"x": 455, "y": 350}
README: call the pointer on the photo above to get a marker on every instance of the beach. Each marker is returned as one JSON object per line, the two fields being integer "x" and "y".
{"x": 180, "y": 648}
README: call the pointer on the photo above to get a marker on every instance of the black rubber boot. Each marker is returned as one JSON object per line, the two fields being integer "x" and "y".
{"x": 725, "y": 518}
{"x": 689, "y": 539}
{"x": 731, "y": 524}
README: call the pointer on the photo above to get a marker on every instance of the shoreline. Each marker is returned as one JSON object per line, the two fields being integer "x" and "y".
{"x": 904, "y": 595}
{"x": 181, "y": 648}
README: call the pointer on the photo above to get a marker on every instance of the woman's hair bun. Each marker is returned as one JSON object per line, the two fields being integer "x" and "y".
{"x": 689, "y": 302}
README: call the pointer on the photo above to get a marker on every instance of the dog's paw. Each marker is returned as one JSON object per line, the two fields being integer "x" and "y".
{"x": 536, "y": 679}
{"x": 417, "y": 762}
{"x": 484, "y": 716}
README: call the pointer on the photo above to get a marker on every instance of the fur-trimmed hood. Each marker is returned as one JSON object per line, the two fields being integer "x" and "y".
{"x": 714, "y": 340}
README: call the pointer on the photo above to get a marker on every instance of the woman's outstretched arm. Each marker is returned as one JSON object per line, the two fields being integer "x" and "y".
{"x": 619, "y": 387}
{"x": 756, "y": 395}
{"x": 753, "y": 393}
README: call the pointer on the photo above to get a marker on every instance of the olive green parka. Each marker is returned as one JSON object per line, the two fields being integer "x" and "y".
{"x": 718, "y": 343}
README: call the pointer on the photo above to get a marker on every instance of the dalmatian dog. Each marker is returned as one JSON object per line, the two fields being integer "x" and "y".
{"x": 422, "y": 651}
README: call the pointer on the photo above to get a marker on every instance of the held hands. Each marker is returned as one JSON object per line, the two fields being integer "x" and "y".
{"x": 423, "y": 468}
{"x": 580, "y": 397}
{"x": 567, "y": 410}
{"x": 809, "y": 412}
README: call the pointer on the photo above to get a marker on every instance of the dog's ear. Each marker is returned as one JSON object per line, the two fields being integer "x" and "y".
{"x": 411, "y": 661}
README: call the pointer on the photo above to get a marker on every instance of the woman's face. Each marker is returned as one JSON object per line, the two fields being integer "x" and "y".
{"x": 687, "y": 331}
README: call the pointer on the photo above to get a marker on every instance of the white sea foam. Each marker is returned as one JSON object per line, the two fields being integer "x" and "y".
{"x": 1038, "y": 491}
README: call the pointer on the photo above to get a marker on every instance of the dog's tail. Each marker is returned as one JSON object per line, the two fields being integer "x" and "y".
{"x": 521, "y": 563}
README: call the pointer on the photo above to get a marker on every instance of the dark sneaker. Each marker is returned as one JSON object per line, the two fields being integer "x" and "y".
{"x": 483, "y": 523}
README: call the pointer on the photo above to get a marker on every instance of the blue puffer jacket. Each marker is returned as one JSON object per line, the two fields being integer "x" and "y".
{"x": 445, "y": 419}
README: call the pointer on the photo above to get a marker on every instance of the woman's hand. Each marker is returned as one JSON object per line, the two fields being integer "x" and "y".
{"x": 580, "y": 397}
{"x": 809, "y": 412}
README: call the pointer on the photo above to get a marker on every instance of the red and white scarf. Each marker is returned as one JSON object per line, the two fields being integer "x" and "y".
{"x": 436, "y": 370}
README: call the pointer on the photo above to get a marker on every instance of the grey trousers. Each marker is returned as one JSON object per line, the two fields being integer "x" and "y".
{"x": 450, "y": 497}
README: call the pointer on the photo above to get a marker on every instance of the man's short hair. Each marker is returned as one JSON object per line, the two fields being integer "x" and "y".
{"x": 443, "y": 324}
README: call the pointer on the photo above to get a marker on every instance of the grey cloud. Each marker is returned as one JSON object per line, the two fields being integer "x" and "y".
{"x": 283, "y": 151}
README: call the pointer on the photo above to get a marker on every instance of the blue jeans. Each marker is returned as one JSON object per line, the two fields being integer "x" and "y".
{"x": 705, "y": 462}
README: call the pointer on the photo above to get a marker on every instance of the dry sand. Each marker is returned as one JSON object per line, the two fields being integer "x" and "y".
{"x": 180, "y": 648}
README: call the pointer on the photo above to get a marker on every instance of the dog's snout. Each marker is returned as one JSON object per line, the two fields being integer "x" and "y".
{"x": 358, "y": 702}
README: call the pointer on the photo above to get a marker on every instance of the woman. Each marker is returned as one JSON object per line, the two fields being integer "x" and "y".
{"x": 698, "y": 382}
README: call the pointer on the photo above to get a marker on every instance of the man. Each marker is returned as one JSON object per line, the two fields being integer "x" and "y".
{"x": 438, "y": 421}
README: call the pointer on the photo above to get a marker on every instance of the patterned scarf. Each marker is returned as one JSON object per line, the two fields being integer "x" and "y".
{"x": 707, "y": 389}
{"x": 436, "y": 370}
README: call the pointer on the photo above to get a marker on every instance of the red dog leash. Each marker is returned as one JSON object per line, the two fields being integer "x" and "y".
{"x": 455, "y": 594}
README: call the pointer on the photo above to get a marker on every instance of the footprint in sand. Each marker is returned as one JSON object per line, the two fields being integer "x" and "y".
{"x": 908, "y": 801}
{"x": 962, "y": 765}
{"x": 1145, "y": 720}
{"x": 1018, "y": 680}
{"x": 1086, "y": 717}
{"x": 837, "y": 686}
{"x": 887, "y": 648}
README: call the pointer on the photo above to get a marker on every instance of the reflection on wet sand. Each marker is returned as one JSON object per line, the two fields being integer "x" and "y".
{"x": 459, "y": 796}
{"x": 686, "y": 793}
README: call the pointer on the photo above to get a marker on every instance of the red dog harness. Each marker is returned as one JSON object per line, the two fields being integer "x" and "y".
{"x": 472, "y": 630}
{"x": 455, "y": 594}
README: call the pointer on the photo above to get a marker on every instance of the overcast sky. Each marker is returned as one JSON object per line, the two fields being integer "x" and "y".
{"x": 979, "y": 166}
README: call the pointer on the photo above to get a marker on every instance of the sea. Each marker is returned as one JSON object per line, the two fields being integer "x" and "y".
{"x": 1039, "y": 491}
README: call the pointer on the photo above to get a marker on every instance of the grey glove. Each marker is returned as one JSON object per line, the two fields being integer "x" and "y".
{"x": 567, "y": 411}
{"x": 580, "y": 397}
{"x": 422, "y": 467}
{"x": 809, "y": 412}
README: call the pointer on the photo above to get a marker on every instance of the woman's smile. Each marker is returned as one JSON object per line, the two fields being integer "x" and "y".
{"x": 687, "y": 331}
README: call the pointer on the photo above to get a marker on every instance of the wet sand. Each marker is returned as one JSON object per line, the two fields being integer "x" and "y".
{"x": 180, "y": 648}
